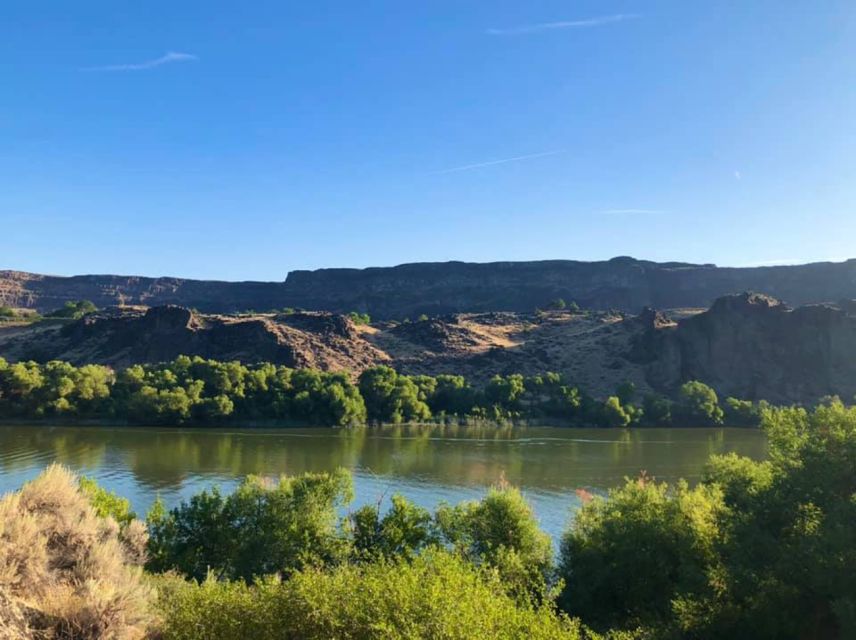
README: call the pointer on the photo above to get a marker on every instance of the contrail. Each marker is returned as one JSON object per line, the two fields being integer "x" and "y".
{"x": 490, "y": 163}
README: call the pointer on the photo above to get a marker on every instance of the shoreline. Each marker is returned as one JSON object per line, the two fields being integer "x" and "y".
{"x": 275, "y": 425}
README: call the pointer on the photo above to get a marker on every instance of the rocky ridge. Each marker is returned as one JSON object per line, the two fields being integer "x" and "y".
{"x": 408, "y": 290}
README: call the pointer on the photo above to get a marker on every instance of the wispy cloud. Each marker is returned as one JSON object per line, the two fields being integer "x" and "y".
{"x": 585, "y": 23}
{"x": 491, "y": 163}
{"x": 167, "y": 58}
{"x": 610, "y": 212}
{"x": 738, "y": 175}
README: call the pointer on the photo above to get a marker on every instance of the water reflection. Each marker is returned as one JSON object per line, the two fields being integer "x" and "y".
{"x": 427, "y": 464}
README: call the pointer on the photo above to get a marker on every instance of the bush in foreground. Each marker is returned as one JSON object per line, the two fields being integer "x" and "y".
{"x": 437, "y": 595}
{"x": 759, "y": 550}
{"x": 65, "y": 572}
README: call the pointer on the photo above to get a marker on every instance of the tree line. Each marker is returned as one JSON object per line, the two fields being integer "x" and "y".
{"x": 196, "y": 391}
{"x": 755, "y": 550}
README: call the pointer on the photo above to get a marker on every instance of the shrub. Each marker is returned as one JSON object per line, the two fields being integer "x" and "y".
{"x": 404, "y": 530}
{"x": 501, "y": 532}
{"x": 698, "y": 405}
{"x": 436, "y": 596}
{"x": 259, "y": 529}
{"x": 628, "y": 557}
{"x": 73, "y": 310}
{"x": 65, "y": 572}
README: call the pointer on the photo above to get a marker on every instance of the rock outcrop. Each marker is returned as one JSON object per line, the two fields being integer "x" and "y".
{"x": 753, "y": 346}
{"x": 119, "y": 337}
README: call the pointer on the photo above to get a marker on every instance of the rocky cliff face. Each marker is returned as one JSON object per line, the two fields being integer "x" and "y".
{"x": 753, "y": 346}
{"x": 45, "y": 293}
{"x": 408, "y": 290}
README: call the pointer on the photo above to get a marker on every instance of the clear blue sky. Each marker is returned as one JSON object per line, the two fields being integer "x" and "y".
{"x": 217, "y": 139}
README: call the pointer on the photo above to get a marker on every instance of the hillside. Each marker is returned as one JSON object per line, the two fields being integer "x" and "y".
{"x": 406, "y": 291}
{"x": 747, "y": 345}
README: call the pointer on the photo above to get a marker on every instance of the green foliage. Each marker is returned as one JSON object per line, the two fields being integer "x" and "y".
{"x": 452, "y": 395}
{"x": 360, "y": 318}
{"x": 7, "y": 312}
{"x": 73, "y": 310}
{"x": 629, "y": 556}
{"x": 558, "y": 304}
{"x": 743, "y": 413}
{"x": 656, "y": 410}
{"x": 626, "y": 392}
{"x": 106, "y": 503}
{"x": 54, "y": 389}
{"x": 392, "y": 398}
{"x": 403, "y": 531}
{"x": 501, "y": 532}
{"x": 613, "y": 414}
{"x": 699, "y": 405}
{"x": 758, "y": 550}
{"x": 436, "y": 596}
{"x": 196, "y": 391}
{"x": 505, "y": 392}
{"x": 259, "y": 529}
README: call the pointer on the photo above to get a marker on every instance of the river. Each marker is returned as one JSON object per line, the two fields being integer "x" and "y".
{"x": 426, "y": 464}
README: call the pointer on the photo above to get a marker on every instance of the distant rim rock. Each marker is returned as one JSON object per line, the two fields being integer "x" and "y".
{"x": 409, "y": 290}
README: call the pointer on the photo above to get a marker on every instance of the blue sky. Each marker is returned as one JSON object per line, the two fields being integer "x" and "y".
{"x": 242, "y": 140}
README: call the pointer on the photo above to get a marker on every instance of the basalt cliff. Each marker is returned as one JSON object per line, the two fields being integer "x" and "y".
{"x": 409, "y": 290}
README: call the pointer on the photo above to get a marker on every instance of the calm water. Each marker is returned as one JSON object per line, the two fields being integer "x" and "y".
{"x": 425, "y": 464}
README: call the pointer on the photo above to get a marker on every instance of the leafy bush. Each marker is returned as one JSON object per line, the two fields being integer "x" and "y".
{"x": 259, "y": 529}
{"x": 758, "y": 550}
{"x": 106, "y": 503}
{"x": 698, "y": 404}
{"x": 392, "y": 398}
{"x": 501, "y": 532}
{"x": 435, "y": 596}
{"x": 630, "y": 555}
{"x": 360, "y": 318}
{"x": 403, "y": 531}
{"x": 73, "y": 310}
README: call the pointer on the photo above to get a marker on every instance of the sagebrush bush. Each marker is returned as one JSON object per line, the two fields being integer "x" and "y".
{"x": 436, "y": 596}
{"x": 65, "y": 572}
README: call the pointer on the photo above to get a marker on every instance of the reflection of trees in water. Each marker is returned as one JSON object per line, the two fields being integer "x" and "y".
{"x": 76, "y": 448}
{"x": 164, "y": 459}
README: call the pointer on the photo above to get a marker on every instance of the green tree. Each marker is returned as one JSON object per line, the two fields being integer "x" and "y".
{"x": 626, "y": 392}
{"x": 501, "y": 531}
{"x": 259, "y": 529}
{"x": 698, "y": 405}
{"x": 627, "y": 558}
{"x": 657, "y": 411}
{"x": 613, "y": 414}
{"x": 73, "y": 310}
{"x": 390, "y": 397}
{"x": 505, "y": 392}
{"x": 403, "y": 531}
